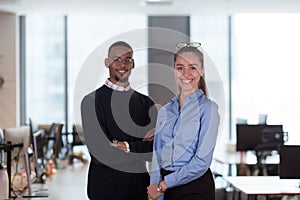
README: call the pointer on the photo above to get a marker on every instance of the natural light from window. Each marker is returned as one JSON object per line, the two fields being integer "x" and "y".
{"x": 265, "y": 75}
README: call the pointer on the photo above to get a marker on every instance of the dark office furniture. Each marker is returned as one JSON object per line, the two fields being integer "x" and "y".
{"x": 263, "y": 139}
{"x": 77, "y": 140}
{"x": 249, "y": 137}
{"x": 54, "y": 142}
{"x": 38, "y": 149}
{"x": 289, "y": 167}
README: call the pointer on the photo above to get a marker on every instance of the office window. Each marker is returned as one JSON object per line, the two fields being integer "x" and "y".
{"x": 265, "y": 76}
{"x": 45, "y": 68}
{"x": 212, "y": 33}
{"x": 89, "y": 32}
{"x": 46, "y": 58}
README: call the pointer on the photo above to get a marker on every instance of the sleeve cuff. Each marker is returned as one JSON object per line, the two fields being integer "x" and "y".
{"x": 127, "y": 147}
{"x": 170, "y": 180}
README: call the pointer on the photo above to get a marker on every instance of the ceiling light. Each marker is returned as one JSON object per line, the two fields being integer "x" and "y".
{"x": 158, "y": 2}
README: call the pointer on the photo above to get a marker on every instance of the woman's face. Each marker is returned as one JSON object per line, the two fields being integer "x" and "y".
{"x": 188, "y": 70}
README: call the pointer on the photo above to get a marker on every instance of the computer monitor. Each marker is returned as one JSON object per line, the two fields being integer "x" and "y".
{"x": 31, "y": 192}
{"x": 18, "y": 136}
{"x": 289, "y": 167}
{"x": 1, "y": 151}
{"x": 33, "y": 126}
{"x": 21, "y": 135}
{"x": 38, "y": 152}
{"x": 250, "y": 136}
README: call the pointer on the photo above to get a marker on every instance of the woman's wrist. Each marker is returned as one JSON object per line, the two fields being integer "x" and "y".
{"x": 162, "y": 187}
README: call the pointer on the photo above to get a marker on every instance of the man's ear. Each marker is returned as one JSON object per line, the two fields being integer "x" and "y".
{"x": 106, "y": 62}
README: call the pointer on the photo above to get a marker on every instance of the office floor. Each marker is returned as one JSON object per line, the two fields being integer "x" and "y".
{"x": 69, "y": 181}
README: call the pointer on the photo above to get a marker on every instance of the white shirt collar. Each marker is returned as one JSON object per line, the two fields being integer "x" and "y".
{"x": 114, "y": 86}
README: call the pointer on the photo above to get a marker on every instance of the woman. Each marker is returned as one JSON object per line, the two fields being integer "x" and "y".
{"x": 185, "y": 137}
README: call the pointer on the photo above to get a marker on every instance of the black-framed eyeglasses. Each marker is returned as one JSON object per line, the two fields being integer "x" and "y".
{"x": 188, "y": 44}
{"x": 119, "y": 60}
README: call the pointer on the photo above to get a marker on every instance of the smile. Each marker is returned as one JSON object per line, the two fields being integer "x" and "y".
{"x": 122, "y": 71}
{"x": 186, "y": 81}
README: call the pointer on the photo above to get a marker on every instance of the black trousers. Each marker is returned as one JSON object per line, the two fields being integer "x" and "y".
{"x": 105, "y": 183}
{"x": 202, "y": 188}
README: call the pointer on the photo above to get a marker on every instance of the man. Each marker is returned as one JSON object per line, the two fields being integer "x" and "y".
{"x": 118, "y": 128}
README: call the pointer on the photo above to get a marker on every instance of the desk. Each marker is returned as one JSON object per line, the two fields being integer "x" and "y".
{"x": 254, "y": 186}
{"x": 248, "y": 158}
{"x": 241, "y": 158}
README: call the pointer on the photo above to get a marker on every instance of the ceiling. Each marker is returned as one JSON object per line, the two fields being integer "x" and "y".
{"x": 176, "y": 7}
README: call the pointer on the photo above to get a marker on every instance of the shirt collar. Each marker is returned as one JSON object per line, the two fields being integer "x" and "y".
{"x": 193, "y": 96}
{"x": 116, "y": 87}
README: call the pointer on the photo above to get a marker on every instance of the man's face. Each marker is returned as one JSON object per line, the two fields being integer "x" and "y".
{"x": 120, "y": 63}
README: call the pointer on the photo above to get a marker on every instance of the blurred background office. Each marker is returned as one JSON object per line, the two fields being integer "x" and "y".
{"x": 254, "y": 46}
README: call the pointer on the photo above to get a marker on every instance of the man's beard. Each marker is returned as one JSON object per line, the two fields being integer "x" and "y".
{"x": 121, "y": 79}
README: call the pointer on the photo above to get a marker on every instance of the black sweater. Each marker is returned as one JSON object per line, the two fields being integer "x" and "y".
{"x": 125, "y": 116}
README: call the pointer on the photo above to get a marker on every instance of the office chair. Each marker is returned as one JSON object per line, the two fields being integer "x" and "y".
{"x": 271, "y": 140}
{"x": 77, "y": 141}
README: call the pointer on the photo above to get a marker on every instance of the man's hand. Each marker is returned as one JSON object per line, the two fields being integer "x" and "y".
{"x": 119, "y": 145}
{"x": 149, "y": 136}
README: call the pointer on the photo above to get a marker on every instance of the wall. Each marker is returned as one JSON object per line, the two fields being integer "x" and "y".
{"x": 162, "y": 40}
{"x": 8, "y": 66}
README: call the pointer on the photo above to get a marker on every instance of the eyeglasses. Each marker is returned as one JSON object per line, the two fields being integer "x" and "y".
{"x": 188, "y": 44}
{"x": 118, "y": 60}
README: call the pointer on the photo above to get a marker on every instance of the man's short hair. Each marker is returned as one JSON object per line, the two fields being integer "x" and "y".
{"x": 120, "y": 43}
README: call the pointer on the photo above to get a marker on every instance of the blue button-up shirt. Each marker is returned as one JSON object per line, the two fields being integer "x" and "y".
{"x": 185, "y": 139}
